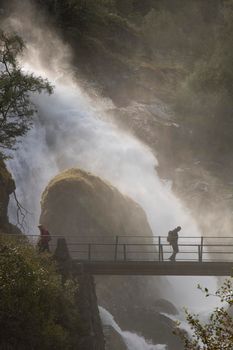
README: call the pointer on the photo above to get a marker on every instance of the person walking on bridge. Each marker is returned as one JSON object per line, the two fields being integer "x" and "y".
{"x": 172, "y": 238}
{"x": 43, "y": 243}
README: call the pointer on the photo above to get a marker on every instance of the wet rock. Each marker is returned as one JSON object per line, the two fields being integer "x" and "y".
{"x": 7, "y": 187}
{"x": 163, "y": 305}
{"x": 113, "y": 339}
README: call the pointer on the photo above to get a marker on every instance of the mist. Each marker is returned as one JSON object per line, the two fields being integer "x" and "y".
{"x": 74, "y": 128}
{"x": 131, "y": 340}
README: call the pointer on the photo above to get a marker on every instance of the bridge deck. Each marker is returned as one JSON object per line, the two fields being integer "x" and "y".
{"x": 155, "y": 268}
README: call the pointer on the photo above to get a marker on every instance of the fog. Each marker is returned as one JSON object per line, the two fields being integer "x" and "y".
{"x": 74, "y": 128}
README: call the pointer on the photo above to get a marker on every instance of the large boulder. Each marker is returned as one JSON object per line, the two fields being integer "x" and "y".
{"x": 78, "y": 204}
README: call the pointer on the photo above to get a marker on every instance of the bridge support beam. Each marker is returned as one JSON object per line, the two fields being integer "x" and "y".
{"x": 156, "y": 268}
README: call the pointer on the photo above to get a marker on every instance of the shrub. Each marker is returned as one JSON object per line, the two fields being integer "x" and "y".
{"x": 37, "y": 311}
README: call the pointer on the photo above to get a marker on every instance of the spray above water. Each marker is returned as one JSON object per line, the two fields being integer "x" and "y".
{"x": 72, "y": 129}
{"x": 131, "y": 340}
{"x": 70, "y": 132}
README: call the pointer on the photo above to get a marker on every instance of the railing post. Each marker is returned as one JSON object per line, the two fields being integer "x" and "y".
{"x": 124, "y": 250}
{"x": 159, "y": 248}
{"x": 199, "y": 253}
{"x": 89, "y": 251}
{"x": 200, "y": 250}
{"x": 202, "y": 240}
{"x": 116, "y": 246}
{"x": 161, "y": 252}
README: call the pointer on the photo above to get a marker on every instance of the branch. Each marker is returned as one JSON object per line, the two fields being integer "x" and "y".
{"x": 21, "y": 213}
{"x": 6, "y": 66}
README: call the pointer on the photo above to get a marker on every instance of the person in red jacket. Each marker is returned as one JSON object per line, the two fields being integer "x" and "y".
{"x": 44, "y": 239}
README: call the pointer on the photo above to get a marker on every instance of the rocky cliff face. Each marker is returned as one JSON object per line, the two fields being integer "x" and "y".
{"x": 94, "y": 338}
{"x": 7, "y": 187}
{"x": 80, "y": 204}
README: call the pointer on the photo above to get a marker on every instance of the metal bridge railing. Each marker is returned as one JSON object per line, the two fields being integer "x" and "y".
{"x": 140, "y": 248}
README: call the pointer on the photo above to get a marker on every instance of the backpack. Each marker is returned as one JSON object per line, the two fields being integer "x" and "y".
{"x": 169, "y": 237}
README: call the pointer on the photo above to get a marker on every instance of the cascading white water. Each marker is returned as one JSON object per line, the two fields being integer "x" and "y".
{"x": 131, "y": 340}
{"x": 70, "y": 131}
{"x": 73, "y": 130}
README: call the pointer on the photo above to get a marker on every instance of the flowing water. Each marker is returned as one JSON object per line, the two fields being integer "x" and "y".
{"x": 131, "y": 340}
{"x": 72, "y": 129}
{"x": 70, "y": 132}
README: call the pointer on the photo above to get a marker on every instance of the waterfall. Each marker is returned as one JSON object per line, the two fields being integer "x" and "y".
{"x": 131, "y": 340}
{"x": 73, "y": 129}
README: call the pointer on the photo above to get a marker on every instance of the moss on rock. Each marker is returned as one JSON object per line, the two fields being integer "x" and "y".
{"x": 79, "y": 203}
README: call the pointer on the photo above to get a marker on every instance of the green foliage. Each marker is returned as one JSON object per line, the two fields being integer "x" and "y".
{"x": 37, "y": 311}
{"x": 218, "y": 332}
{"x": 16, "y": 109}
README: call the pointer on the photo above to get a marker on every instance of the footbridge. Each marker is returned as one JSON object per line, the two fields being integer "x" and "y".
{"x": 139, "y": 255}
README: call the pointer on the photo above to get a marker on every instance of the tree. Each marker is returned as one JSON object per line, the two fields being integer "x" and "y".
{"x": 16, "y": 108}
{"x": 218, "y": 332}
{"x": 37, "y": 310}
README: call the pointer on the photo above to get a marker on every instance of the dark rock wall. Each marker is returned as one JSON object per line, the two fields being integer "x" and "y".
{"x": 7, "y": 187}
{"x": 92, "y": 337}
{"x": 88, "y": 307}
